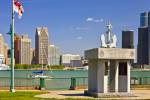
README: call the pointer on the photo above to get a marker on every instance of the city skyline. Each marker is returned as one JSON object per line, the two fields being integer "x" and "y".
{"x": 72, "y": 23}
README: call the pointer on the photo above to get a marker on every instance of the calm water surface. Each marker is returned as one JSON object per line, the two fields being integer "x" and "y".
{"x": 54, "y": 73}
{"x": 61, "y": 78}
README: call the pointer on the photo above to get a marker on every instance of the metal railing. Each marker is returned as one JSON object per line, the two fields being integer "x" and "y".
{"x": 79, "y": 82}
{"x": 60, "y": 83}
{"x": 140, "y": 80}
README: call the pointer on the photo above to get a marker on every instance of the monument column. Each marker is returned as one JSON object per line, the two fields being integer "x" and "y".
{"x": 102, "y": 77}
{"x": 92, "y": 75}
{"x": 114, "y": 65}
{"x": 124, "y": 76}
{"x": 128, "y": 75}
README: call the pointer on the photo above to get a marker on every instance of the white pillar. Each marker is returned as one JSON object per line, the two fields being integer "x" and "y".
{"x": 124, "y": 77}
{"x": 102, "y": 79}
{"x": 92, "y": 76}
{"x": 128, "y": 76}
{"x": 114, "y": 76}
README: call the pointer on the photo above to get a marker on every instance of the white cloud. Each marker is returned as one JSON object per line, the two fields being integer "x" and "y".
{"x": 79, "y": 38}
{"x": 90, "y": 19}
{"x": 81, "y": 28}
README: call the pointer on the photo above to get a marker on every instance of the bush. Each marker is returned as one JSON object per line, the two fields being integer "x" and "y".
{"x": 56, "y": 67}
{"x": 25, "y": 66}
{"x": 37, "y": 66}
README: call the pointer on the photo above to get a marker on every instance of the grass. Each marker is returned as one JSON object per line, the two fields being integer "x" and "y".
{"x": 19, "y": 96}
{"x": 25, "y": 96}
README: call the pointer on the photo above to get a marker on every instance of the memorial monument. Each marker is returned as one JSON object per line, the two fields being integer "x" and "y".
{"x": 109, "y": 67}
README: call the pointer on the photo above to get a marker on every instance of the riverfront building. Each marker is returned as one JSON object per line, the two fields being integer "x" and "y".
{"x": 143, "y": 52}
{"x": 41, "y": 45}
{"x": 17, "y": 38}
{"x": 71, "y": 60}
{"x": 1, "y": 45}
{"x": 53, "y": 55}
{"x": 32, "y": 56}
{"x": 127, "y": 39}
{"x": 22, "y": 49}
{"x": 24, "y": 52}
{"x": 6, "y": 48}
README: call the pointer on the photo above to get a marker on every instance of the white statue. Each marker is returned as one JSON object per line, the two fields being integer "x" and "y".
{"x": 103, "y": 42}
{"x": 114, "y": 42}
{"x": 108, "y": 41}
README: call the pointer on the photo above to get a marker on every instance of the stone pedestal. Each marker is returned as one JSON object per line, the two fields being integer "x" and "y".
{"x": 114, "y": 67}
{"x": 109, "y": 70}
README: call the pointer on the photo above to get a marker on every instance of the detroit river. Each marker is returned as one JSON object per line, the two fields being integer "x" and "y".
{"x": 61, "y": 80}
{"x": 54, "y": 73}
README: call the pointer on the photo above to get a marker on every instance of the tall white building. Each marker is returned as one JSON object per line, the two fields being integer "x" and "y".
{"x": 68, "y": 59}
{"x": 41, "y": 45}
{"x": 53, "y": 55}
{"x": 24, "y": 51}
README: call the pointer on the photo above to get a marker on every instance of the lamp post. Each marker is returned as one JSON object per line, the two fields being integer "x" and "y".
{"x": 12, "y": 89}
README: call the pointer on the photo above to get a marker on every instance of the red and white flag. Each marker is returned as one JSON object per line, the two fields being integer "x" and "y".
{"x": 18, "y": 8}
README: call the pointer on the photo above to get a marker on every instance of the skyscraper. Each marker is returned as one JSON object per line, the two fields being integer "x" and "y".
{"x": 32, "y": 55}
{"x": 41, "y": 45}
{"x": 144, "y": 19}
{"x": 53, "y": 55}
{"x": 22, "y": 49}
{"x": 1, "y": 44}
{"x": 17, "y": 38}
{"x": 6, "y": 53}
{"x": 143, "y": 50}
{"x": 24, "y": 52}
{"x": 143, "y": 46}
{"x": 127, "y": 39}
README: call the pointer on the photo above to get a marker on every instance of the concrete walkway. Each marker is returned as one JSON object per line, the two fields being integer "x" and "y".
{"x": 62, "y": 94}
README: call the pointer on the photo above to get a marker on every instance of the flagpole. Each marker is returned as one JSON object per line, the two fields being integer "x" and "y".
{"x": 12, "y": 89}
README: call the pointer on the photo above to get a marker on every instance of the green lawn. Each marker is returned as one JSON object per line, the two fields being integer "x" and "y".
{"x": 24, "y": 96}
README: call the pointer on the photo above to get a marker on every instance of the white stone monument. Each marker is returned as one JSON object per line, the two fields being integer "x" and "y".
{"x": 109, "y": 67}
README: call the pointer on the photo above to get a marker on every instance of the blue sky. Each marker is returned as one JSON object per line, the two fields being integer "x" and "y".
{"x": 69, "y": 21}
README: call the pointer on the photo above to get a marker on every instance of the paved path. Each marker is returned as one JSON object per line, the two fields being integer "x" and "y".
{"x": 62, "y": 94}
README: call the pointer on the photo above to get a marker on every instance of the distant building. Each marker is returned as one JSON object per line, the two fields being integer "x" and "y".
{"x": 84, "y": 62}
{"x": 53, "y": 55}
{"x": 70, "y": 60}
{"x": 2, "y": 59}
{"x": 144, "y": 19}
{"x": 142, "y": 56}
{"x": 22, "y": 49}
{"x": 76, "y": 63}
{"x": 32, "y": 56}
{"x": 41, "y": 45}
{"x": 1, "y": 45}
{"x": 127, "y": 39}
{"x": 143, "y": 49}
{"x": 17, "y": 39}
{"x": 6, "y": 48}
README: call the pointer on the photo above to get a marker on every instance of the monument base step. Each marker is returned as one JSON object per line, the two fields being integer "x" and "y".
{"x": 108, "y": 95}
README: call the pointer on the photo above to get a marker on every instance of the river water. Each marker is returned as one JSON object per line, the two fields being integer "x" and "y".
{"x": 62, "y": 78}
{"x": 54, "y": 73}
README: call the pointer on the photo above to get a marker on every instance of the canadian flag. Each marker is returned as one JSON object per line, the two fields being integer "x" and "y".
{"x": 18, "y": 8}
